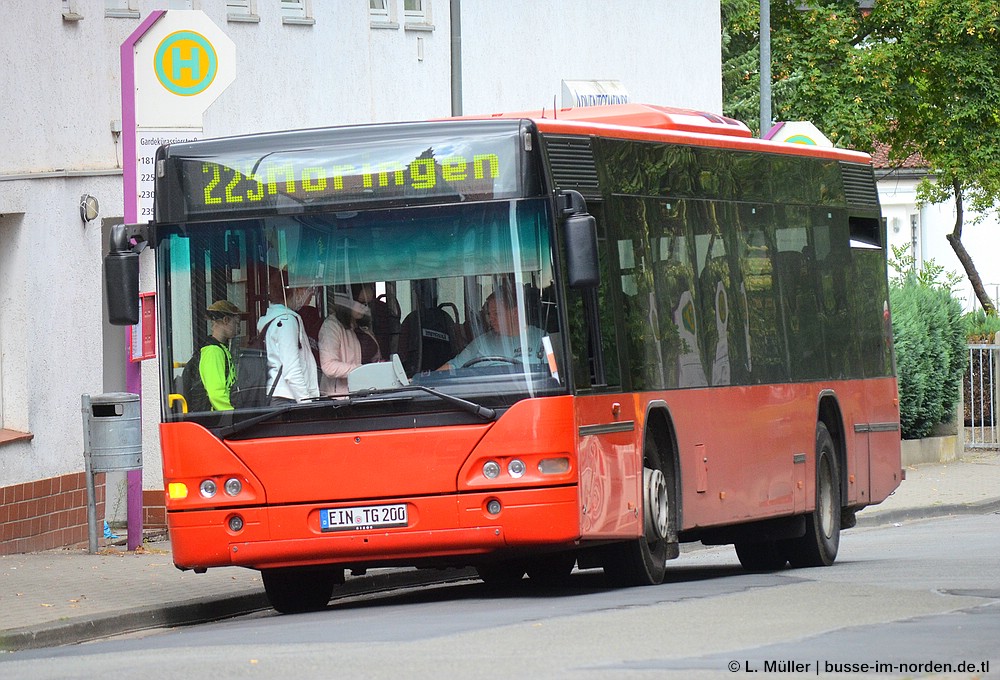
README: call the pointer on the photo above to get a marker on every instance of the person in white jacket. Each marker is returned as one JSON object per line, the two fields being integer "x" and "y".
{"x": 291, "y": 366}
{"x": 339, "y": 348}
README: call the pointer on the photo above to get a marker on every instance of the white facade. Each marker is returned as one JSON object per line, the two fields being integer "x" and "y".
{"x": 926, "y": 229}
{"x": 60, "y": 81}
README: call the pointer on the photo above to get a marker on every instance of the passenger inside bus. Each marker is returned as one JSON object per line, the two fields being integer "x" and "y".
{"x": 371, "y": 348}
{"x": 339, "y": 346}
{"x": 501, "y": 344}
{"x": 291, "y": 367}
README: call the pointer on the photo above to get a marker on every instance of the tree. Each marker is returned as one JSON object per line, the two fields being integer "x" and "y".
{"x": 922, "y": 76}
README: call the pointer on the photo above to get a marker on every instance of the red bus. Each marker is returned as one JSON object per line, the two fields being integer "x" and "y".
{"x": 701, "y": 346}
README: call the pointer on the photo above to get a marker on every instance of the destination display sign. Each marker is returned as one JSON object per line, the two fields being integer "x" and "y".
{"x": 279, "y": 173}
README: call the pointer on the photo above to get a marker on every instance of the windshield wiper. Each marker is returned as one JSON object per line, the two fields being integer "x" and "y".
{"x": 236, "y": 428}
{"x": 472, "y": 407}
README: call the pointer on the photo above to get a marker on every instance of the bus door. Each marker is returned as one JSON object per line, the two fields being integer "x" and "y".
{"x": 610, "y": 463}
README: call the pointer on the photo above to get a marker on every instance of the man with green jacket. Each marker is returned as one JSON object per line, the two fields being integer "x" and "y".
{"x": 215, "y": 366}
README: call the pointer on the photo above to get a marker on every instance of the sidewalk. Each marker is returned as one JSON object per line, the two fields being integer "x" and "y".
{"x": 69, "y": 596}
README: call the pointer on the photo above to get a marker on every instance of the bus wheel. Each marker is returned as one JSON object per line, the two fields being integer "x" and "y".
{"x": 765, "y": 556}
{"x": 502, "y": 574}
{"x": 303, "y": 589}
{"x": 818, "y": 548}
{"x": 644, "y": 560}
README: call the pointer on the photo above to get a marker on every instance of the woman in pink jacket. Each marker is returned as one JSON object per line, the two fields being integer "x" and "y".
{"x": 339, "y": 349}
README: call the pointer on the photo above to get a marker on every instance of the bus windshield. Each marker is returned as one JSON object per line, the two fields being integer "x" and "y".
{"x": 462, "y": 294}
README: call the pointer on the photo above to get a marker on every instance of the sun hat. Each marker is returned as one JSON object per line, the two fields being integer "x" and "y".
{"x": 222, "y": 308}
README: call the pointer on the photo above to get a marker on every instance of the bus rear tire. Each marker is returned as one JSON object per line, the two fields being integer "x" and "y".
{"x": 819, "y": 546}
{"x": 643, "y": 561}
{"x": 301, "y": 589}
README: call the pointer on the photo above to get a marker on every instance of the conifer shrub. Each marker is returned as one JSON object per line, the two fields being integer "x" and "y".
{"x": 930, "y": 342}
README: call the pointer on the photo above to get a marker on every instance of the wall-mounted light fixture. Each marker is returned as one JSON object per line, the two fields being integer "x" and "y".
{"x": 89, "y": 207}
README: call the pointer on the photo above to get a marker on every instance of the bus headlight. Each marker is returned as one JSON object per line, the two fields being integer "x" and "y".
{"x": 491, "y": 469}
{"x": 233, "y": 486}
{"x": 516, "y": 468}
{"x": 208, "y": 488}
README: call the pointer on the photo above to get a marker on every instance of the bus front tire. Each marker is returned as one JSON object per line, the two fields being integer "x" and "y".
{"x": 643, "y": 561}
{"x": 302, "y": 589}
{"x": 763, "y": 556}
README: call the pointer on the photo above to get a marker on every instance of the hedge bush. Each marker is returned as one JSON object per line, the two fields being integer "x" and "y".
{"x": 982, "y": 328}
{"x": 930, "y": 340}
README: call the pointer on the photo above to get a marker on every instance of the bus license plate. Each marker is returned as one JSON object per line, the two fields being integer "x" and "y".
{"x": 362, "y": 517}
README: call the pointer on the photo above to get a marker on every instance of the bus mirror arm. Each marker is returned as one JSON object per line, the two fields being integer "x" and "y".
{"x": 121, "y": 273}
{"x": 572, "y": 203}
{"x": 580, "y": 231}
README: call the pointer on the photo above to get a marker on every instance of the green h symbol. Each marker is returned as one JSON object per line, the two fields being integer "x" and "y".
{"x": 193, "y": 63}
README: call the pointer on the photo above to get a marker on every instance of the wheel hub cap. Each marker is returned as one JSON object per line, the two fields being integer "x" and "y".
{"x": 657, "y": 511}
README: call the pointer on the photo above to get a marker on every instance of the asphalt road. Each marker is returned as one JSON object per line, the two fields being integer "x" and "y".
{"x": 909, "y": 601}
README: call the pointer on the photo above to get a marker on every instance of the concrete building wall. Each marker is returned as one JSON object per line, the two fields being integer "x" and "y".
{"x": 61, "y": 86}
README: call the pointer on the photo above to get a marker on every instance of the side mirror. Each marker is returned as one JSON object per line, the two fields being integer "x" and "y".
{"x": 121, "y": 279}
{"x": 580, "y": 230}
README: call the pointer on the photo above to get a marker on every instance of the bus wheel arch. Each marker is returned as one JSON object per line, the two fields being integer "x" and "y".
{"x": 642, "y": 561}
{"x": 659, "y": 426}
{"x": 829, "y": 414}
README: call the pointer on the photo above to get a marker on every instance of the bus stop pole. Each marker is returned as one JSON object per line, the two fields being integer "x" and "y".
{"x": 765, "y": 67}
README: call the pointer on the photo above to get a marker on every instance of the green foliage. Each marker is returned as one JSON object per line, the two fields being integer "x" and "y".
{"x": 981, "y": 327}
{"x": 941, "y": 62}
{"x": 929, "y": 274}
{"x": 821, "y": 67}
{"x": 930, "y": 355}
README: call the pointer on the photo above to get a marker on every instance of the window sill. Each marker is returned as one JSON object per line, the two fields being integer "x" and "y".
{"x": 10, "y": 436}
{"x": 121, "y": 14}
{"x": 427, "y": 28}
{"x": 243, "y": 18}
{"x": 298, "y": 21}
{"x": 385, "y": 24}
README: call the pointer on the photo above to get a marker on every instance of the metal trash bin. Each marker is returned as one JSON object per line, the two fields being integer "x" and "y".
{"x": 112, "y": 429}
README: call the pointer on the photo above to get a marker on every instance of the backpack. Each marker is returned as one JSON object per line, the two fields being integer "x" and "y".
{"x": 251, "y": 389}
{"x": 191, "y": 386}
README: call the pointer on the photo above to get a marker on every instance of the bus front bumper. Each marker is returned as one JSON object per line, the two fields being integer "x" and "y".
{"x": 445, "y": 528}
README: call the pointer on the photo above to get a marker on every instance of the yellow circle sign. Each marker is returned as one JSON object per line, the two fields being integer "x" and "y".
{"x": 186, "y": 63}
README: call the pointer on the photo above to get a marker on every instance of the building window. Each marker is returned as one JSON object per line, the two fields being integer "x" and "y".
{"x": 13, "y": 330}
{"x": 242, "y": 11}
{"x": 121, "y": 9}
{"x": 417, "y": 15}
{"x": 297, "y": 12}
{"x": 382, "y": 13}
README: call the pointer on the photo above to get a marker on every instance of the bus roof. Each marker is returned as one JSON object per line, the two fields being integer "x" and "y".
{"x": 667, "y": 124}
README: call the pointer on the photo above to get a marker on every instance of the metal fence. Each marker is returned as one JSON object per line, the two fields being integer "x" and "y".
{"x": 981, "y": 396}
